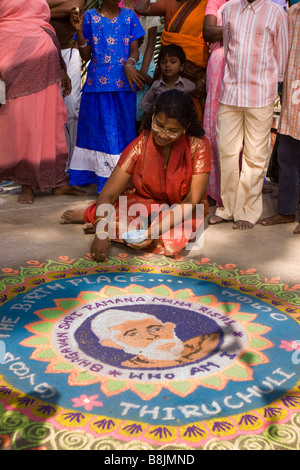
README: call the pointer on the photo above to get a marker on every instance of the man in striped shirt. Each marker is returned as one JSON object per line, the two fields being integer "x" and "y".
{"x": 289, "y": 132}
{"x": 255, "y": 35}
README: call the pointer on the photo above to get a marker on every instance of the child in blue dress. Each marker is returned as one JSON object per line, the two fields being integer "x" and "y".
{"x": 107, "y": 36}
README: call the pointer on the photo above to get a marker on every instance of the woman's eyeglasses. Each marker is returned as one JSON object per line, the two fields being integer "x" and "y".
{"x": 170, "y": 134}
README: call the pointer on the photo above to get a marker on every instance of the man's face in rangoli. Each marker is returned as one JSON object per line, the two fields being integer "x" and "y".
{"x": 147, "y": 337}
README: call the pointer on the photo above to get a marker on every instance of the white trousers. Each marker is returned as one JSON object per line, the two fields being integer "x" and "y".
{"x": 246, "y": 129}
{"x": 73, "y": 62}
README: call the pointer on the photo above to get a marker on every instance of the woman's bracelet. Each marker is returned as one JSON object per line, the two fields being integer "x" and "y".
{"x": 100, "y": 218}
{"x": 103, "y": 231}
{"x": 84, "y": 45}
{"x": 130, "y": 65}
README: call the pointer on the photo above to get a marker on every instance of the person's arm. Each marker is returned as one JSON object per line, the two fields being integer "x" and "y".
{"x": 65, "y": 83}
{"x": 183, "y": 211}
{"x": 226, "y": 37}
{"x": 178, "y": 213}
{"x": 62, "y": 8}
{"x": 76, "y": 20}
{"x": 148, "y": 55}
{"x": 115, "y": 186}
{"x": 55, "y": 3}
{"x": 281, "y": 44}
{"x": 131, "y": 73}
{"x": 212, "y": 32}
{"x": 146, "y": 8}
{"x": 142, "y": 7}
{"x": 149, "y": 98}
{"x": 201, "y": 163}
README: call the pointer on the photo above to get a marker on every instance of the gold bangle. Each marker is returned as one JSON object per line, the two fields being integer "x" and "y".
{"x": 100, "y": 218}
{"x": 103, "y": 231}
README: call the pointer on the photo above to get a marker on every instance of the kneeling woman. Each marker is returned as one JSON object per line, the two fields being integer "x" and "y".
{"x": 162, "y": 173}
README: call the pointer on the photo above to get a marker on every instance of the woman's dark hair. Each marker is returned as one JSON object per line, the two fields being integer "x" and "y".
{"x": 178, "y": 105}
{"x": 172, "y": 50}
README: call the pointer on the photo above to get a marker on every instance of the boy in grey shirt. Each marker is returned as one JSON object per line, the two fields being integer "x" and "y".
{"x": 171, "y": 63}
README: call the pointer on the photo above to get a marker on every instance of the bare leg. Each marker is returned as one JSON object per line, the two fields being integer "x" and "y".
{"x": 27, "y": 196}
{"x": 242, "y": 225}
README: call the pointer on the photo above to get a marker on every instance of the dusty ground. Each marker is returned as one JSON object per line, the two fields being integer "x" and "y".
{"x": 34, "y": 232}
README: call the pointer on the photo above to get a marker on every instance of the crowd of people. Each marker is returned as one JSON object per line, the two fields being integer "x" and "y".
{"x": 192, "y": 125}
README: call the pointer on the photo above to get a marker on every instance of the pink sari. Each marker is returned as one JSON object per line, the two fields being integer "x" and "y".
{"x": 33, "y": 148}
{"x": 214, "y": 78}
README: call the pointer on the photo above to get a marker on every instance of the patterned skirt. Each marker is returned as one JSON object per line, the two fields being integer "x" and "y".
{"x": 106, "y": 126}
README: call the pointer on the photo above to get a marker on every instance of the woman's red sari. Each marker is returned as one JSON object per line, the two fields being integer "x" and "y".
{"x": 153, "y": 185}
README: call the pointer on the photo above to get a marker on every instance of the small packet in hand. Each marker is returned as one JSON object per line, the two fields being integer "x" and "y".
{"x": 2, "y": 92}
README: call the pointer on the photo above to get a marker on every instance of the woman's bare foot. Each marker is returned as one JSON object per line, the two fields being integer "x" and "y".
{"x": 278, "y": 219}
{"x": 242, "y": 225}
{"x": 66, "y": 189}
{"x": 27, "y": 196}
{"x": 215, "y": 219}
{"x": 297, "y": 230}
{"x": 73, "y": 216}
{"x": 89, "y": 228}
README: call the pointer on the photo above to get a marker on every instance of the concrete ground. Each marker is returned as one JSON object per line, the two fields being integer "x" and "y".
{"x": 34, "y": 232}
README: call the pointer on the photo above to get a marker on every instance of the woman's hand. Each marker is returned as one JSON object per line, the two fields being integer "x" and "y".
{"x": 65, "y": 83}
{"x": 200, "y": 86}
{"x": 100, "y": 249}
{"x": 133, "y": 76}
{"x": 76, "y": 19}
{"x": 199, "y": 91}
{"x": 140, "y": 246}
{"x": 147, "y": 79}
{"x": 146, "y": 243}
